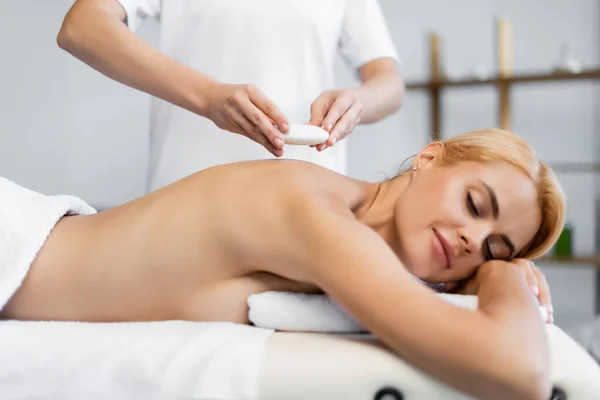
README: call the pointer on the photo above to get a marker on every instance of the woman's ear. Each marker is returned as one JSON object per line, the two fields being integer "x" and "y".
{"x": 428, "y": 156}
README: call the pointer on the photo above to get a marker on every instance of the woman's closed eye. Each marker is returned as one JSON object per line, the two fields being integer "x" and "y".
{"x": 475, "y": 211}
{"x": 472, "y": 207}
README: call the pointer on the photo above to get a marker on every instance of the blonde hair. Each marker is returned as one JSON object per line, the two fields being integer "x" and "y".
{"x": 498, "y": 145}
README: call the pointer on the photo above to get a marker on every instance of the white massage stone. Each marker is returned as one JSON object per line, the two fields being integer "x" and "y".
{"x": 301, "y": 134}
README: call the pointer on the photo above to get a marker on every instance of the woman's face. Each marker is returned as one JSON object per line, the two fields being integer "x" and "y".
{"x": 452, "y": 219}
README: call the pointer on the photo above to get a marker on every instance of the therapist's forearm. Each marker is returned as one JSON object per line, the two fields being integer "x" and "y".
{"x": 381, "y": 93}
{"x": 93, "y": 31}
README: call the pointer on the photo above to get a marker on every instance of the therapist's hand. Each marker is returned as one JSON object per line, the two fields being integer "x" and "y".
{"x": 245, "y": 110}
{"x": 336, "y": 111}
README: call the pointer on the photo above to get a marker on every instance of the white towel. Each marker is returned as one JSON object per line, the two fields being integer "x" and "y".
{"x": 26, "y": 219}
{"x": 289, "y": 311}
{"x": 171, "y": 360}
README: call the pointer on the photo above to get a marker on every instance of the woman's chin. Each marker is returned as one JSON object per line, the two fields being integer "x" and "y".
{"x": 421, "y": 267}
{"x": 425, "y": 274}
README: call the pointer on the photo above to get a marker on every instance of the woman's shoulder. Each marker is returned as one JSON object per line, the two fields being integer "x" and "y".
{"x": 315, "y": 183}
{"x": 295, "y": 183}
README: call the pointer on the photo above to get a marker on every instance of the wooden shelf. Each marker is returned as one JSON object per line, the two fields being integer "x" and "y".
{"x": 502, "y": 82}
{"x": 589, "y": 74}
{"x": 589, "y": 260}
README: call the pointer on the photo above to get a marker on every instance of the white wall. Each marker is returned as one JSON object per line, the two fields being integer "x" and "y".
{"x": 65, "y": 128}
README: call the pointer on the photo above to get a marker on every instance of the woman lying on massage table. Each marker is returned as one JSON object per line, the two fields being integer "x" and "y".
{"x": 196, "y": 250}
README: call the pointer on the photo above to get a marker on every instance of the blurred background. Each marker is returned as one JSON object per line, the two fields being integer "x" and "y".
{"x": 64, "y": 128}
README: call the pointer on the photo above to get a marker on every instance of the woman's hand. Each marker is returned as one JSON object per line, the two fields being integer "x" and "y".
{"x": 535, "y": 280}
{"x": 538, "y": 284}
{"x": 245, "y": 110}
{"x": 338, "y": 112}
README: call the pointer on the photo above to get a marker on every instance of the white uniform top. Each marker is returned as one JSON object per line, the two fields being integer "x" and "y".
{"x": 284, "y": 47}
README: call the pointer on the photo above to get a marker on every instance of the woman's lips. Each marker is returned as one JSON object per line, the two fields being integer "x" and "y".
{"x": 442, "y": 250}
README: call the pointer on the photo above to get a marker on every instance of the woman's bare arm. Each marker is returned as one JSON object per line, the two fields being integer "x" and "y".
{"x": 499, "y": 352}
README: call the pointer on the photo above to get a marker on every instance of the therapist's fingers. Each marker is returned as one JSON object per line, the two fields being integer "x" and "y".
{"x": 345, "y": 124}
{"x": 261, "y": 124}
{"x": 320, "y": 107}
{"x": 254, "y": 133}
{"x": 338, "y": 108}
{"x": 272, "y": 122}
{"x": 318, "y": 111}
{"x": 267, "y": 107}
{"x": 343, "y": 101}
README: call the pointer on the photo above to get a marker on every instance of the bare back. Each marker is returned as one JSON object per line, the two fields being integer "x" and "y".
{"x": 193, "y": 250}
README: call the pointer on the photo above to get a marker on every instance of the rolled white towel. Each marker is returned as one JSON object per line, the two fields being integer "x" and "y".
{"x": 290, "y": 311}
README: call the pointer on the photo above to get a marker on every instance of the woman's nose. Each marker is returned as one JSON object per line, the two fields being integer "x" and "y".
{"x": 471, "y": 239}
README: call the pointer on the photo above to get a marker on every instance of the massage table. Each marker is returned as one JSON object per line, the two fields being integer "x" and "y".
{"x": 358, "y": 367}
{"x": 355, "y": 366}
{"x": 170, "y": 361}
